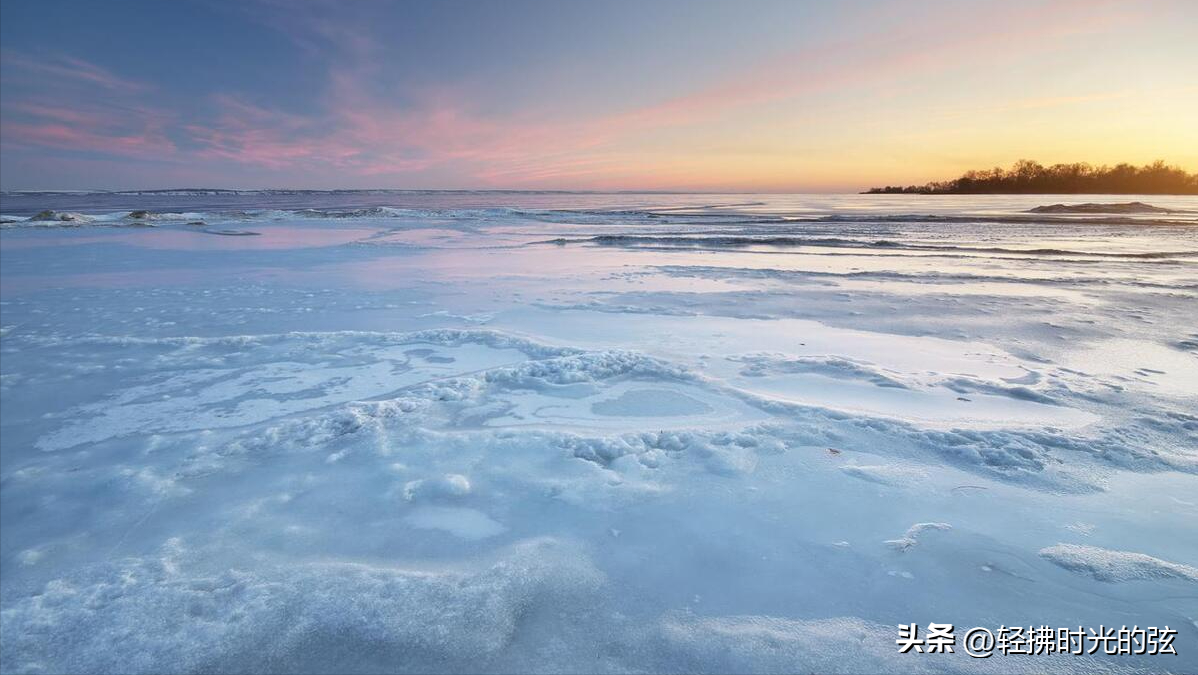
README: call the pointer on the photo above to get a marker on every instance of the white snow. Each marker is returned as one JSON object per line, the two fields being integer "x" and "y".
{"x": 913, "y": 534}
{"x": 1106, "y": 565}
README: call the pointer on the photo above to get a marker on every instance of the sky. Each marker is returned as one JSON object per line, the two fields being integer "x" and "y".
{"x": 753, "y": 95}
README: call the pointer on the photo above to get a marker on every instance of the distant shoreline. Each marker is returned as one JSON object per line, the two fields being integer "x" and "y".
{"x": 1032, "y": 178}
{"x": 920, "y": 191}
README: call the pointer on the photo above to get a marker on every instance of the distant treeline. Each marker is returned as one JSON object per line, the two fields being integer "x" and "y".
{"x": 1028, "y": 177}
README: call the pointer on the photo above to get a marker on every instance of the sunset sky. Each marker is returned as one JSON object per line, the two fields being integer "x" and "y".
{"x": 754, "y": 96}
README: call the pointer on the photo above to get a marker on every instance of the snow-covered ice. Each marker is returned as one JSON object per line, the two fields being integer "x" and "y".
{"x": 1107, "y": 565}
{"x": 503, "y": 432}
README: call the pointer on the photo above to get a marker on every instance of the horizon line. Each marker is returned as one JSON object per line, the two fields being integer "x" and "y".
{"x": 384, "y": 189}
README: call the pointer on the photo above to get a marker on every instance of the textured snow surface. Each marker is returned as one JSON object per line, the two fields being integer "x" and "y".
{"x": 590, "y": 433}
{"x": 1106, "y": 565}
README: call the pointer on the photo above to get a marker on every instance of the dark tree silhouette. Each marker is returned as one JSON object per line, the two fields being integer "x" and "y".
{"x": 1028, "y": 177}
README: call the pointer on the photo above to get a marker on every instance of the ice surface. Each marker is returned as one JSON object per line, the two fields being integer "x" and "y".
{"x": 590, "y": 433}
{"x": 462, "y": 522}
{"x": 264, "y": 383}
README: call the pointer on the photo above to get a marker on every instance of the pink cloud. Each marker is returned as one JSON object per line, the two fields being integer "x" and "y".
{"x": 67, "y": 137}
{"x": 67, "y": 69}
{"x": 129, "y": 131}
{"x": 102, "y": 116}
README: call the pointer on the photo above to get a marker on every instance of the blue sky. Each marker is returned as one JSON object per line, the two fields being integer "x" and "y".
{"x": 780, "y": 95}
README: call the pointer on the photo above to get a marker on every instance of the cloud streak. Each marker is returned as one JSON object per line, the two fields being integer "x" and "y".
{"x": 62, "y": 68}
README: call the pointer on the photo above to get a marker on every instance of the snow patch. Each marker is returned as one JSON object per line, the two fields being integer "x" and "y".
{"x": 911, "y": 538}
{"x": 1115, "y": 566}
{"x": 449, "y": 486}
{"x": 152, "y": 614}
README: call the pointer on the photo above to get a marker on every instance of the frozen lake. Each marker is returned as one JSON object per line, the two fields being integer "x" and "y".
{"x": 494, "y": 432}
